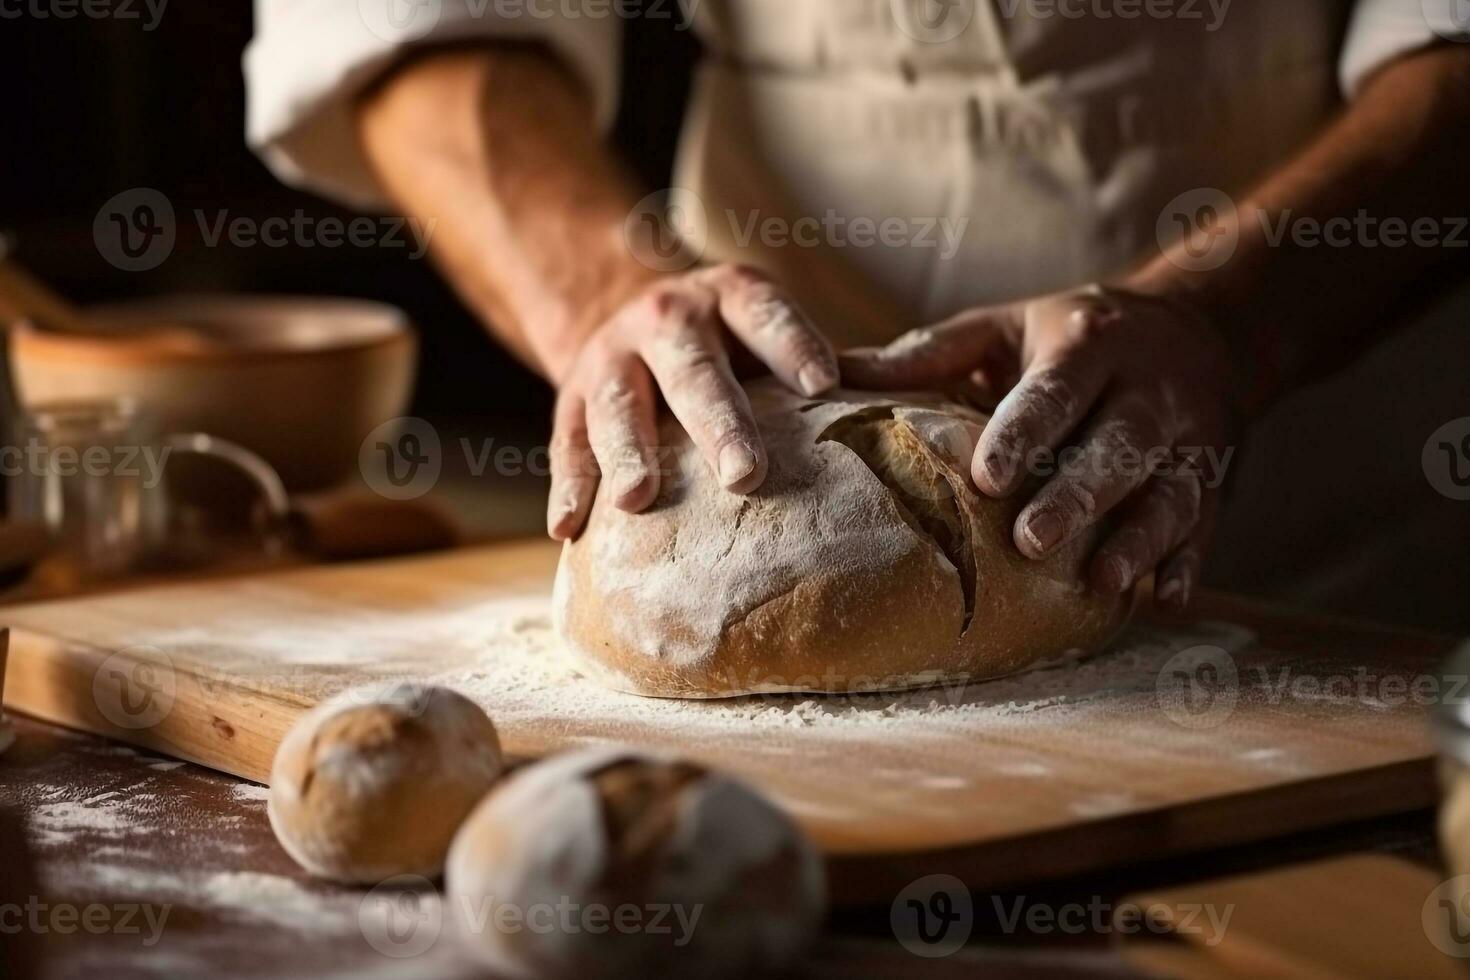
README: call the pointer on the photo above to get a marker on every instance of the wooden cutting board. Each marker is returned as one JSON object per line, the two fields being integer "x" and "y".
{"x": 1246, "y": 723}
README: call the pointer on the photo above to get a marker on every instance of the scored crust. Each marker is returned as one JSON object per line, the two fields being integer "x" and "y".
{"x": 866, "y": 561}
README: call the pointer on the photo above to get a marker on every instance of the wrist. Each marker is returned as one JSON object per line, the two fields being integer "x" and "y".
{"x": 1199, "y": 300}
{"x": 570, "y": 317}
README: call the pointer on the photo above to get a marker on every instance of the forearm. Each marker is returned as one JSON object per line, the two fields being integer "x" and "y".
{"x": 498, "y": 148}
{"x": 1328, "y": 250}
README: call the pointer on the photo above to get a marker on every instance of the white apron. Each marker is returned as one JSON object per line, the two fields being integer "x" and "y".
{"x": 1052, "y": 142}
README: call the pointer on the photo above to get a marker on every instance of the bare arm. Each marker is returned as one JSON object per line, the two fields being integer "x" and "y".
{"x": 498, "y": 146}
{"x": 1348, "y": 236}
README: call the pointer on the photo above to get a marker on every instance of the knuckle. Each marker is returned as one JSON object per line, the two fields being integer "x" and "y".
{"x": 670, "y": 303}
{"x": 1050, "y": 395}
{"x": 1133, "y": 541}
{"x": 738, "y": 275}
{"x": 686, "y": 365}
{"x": 616, "y": 394}
{"x": 1073, "y": 502}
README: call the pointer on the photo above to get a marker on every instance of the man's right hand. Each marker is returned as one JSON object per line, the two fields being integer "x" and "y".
{"x": 675, "y": 339}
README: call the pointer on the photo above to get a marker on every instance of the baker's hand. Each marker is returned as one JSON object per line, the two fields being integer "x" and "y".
{"x": 676, "y": 339}
{"x": 1135, "y": 386}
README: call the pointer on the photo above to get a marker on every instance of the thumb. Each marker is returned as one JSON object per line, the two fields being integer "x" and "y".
{"x": 929, "y": 357}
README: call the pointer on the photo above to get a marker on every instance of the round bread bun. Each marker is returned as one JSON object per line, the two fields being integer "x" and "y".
{"x": 608, "y": 862}
{"x": 375, "y": 782}
{"x": 866, "y": 561}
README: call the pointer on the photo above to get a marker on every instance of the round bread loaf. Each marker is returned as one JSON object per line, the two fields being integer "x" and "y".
{"x": 866, "y": 561}
{"x": 374, "y": 783}
{"x": 611, "y": 863}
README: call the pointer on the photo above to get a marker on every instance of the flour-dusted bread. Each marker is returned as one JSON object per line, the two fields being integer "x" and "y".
{"x": 612, "y": 863}
{"x": 867, "y": 561}
{"x": 374, "y": 783}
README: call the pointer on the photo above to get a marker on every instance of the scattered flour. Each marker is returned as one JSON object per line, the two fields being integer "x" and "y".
{"x": 250, "y": 791}
{"x": 278, "y": 901}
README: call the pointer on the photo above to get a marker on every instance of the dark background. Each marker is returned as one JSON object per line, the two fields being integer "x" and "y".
{"x": 98, "y": 106}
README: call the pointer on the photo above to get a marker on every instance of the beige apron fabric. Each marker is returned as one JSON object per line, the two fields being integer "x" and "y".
{"x": 1053, "y": 143}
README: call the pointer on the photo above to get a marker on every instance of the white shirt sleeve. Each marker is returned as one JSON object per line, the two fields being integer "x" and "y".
{"x": 310, "y": 58}
{"x": 1382, "y": 30}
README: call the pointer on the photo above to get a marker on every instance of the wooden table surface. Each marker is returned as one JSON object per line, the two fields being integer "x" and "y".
{"x": 138, "y": 835}
{"x": 114, "y": 827}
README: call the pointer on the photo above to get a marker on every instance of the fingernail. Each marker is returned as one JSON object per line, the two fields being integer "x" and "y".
{"x": 628, "y": 487}
{"x": 736, "y": 463}
{"x": 997, "y": 472}
{"x": 1043, "y": 530}
{"x": 556, "y": 523}
{"x": 815, "y": 378}
{"x": 1119, "y": 573}
{"x": 1174, "y": 591}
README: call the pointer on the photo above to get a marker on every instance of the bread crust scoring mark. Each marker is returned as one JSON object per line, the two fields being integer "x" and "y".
{"x": 922, "y": 492}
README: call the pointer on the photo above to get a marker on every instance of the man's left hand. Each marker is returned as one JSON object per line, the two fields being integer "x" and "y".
{"x": 1133, "y": 389}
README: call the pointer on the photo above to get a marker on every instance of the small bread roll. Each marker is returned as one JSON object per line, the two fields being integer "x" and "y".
{"x": 608, "y": 863}
{"x": 374, "y": 784}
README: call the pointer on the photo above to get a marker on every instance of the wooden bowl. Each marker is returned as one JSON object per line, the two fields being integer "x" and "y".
{"x": 302, "y": 381}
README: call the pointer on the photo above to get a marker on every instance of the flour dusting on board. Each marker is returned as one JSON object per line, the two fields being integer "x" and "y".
{"x": 1035, "y": 750}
